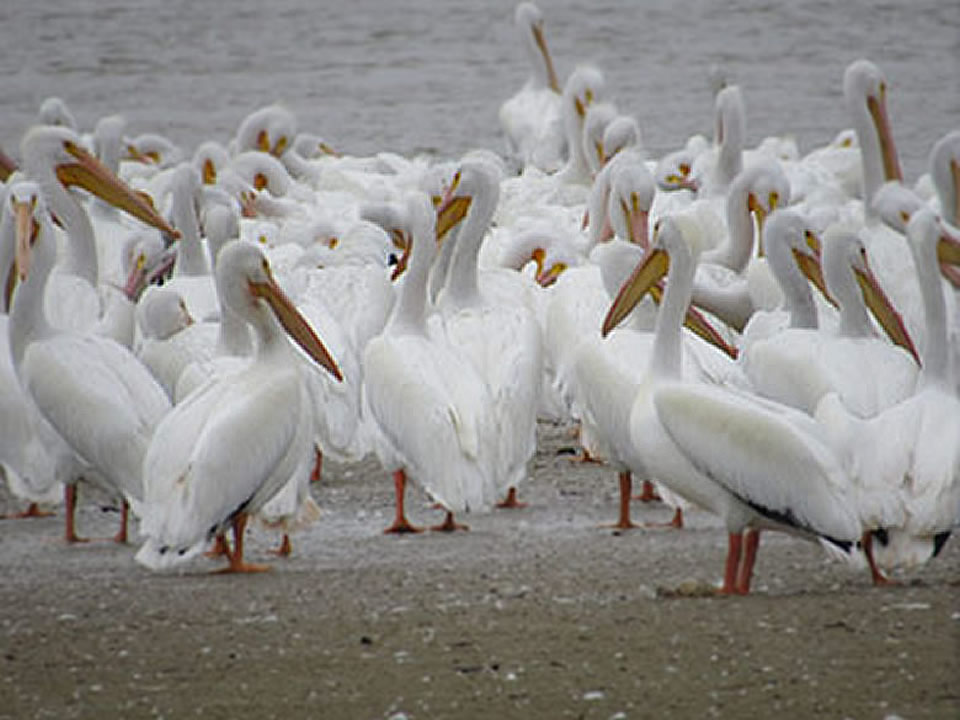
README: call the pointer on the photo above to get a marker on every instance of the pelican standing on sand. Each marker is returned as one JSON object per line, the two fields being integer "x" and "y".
{"x": 224, "y": 451}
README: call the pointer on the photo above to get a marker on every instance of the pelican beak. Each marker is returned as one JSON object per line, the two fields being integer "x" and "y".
{"x": 263, "y": 141}
{"x": 452, "y": 208}
{"x": 26, "y": 233}
{"x": 328, "y": 150}
{"x": 134, "y": 154}
{"x": 280, "y": 146}
{"x": 293, "y": 322}
{"x": 404, "y": 260}
{"x": 551, "y": 275}
{"x": 541, "y": 41}
{"x": 7, "y": 166}
{"x": 948, "y": 253}
{"x": 877, "y": 106}
{"x": 697, "y": 323}
{"x": 754, "y": 206}
{"x": 209, "y": 172}
{"x": 883, "y": 310}
{"x": 650, "y": 270}
{"x": 812, "y": 269}
{"x": 637, "y": 223}
{"x": 92, "y": 175}
{"x": 954, "y": 172}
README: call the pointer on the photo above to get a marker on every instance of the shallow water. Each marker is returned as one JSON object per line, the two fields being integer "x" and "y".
{"x": 428, "y": 76}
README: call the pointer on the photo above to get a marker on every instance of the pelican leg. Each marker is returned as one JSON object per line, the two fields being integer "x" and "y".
{"x": 449, "y": 525}
{"x": 400, "y": 523}
{"x": 734, "y": 549}
{"x": 317, "y": 465}
{"x": 237, "y": 565}
{"x": 220, "y": 547}
{"x": 285, "y": 549}
{"x": 624, "y": 522}
{"x": 510, "y": 501}
{"x": 749, "y": 558}
{"x": 121, "y": 536}
{"x": 676, "y": 522}
{"x": 70, "y": 500}
{"x": 879, "y": 579}
{"x": 649, "y": 493}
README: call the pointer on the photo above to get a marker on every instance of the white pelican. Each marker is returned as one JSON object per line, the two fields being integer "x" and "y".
{"x": 909, "y": 454}
{"x": 755, "y": 464}
{"x": 799, "y": 365}
{"x": 271, "y": 129}
{"x": 585, "y": 86}
{"x": 92, "y": 390}
{"x": 433, "y": 411}
{"x": 54, "y": 111}
{"x": 27, "y": 459}
{"x": 531, "y": 120}
{"x": 483, "y": 318}
{"x": 224, "y": 451}
{"x": 54, "y": 158}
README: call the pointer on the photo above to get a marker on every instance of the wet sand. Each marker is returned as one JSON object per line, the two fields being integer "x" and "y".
{"x": 533, "y": 613}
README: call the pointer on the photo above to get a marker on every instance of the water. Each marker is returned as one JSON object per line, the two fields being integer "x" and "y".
{"x": 429, "y": 75}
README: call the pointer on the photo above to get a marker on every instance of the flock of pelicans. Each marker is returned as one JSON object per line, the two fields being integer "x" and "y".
{"x": 768, "y": 336}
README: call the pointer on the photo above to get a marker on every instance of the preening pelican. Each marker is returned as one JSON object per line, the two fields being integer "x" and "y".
{"x": 92, "y": 390}
{"x": 223, "y": 452}
{"x": 448, "y": 445}
{"x": 484, "y": 319}
{"x": 754, "y": 464}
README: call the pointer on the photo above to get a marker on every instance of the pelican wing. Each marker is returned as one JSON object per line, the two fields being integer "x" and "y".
{"x": 768, "y": 456}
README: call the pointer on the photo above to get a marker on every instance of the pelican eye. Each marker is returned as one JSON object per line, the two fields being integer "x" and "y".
{"x": 263, "y": 241}
{"x": 904, "y": 216}
{"x": 685, "y": 168}
{"x": 333, "y": 242}
{"x": 774, "y": 199}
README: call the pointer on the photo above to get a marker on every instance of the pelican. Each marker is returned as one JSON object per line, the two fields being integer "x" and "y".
{"x": 54, "y": 158}
{"x": 798, "y": 366}
{"x": 531, "y": 120}
{"x": 448, "y": 446}
{"x": 270, "y": 129}
{"x": 501, "y": 336}
{"x": 585, "y": 86}
{"x": 100, "y": 400}
{"x": 223, "y": 452}
{"x": 755, "y": 464}
{"x": 27, "y": 457}
{"x": 910, "y": 450}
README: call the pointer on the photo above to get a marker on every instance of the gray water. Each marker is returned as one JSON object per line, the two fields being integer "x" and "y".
{"x": 429, "y": 76}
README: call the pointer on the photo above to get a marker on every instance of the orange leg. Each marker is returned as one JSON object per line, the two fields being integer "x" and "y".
{"x": 649, "y": 493}
{"x": 285, "y": 549}
{"x": 237, "y": 565}
{"x": 749, "y": 558}
{"x": 510, "y": 501}
{"x": 734, "y": 548}
{"x": 70, "y": 499}
{"x": 676, "y": 522}
{"x": 121, "y": 536}
{"x": 449, "y": 525}
{"x": 220, "y": 547}
{"x": 866, "y": 541}
{"x": 400, "y": 522}
{"x": 624, "y": 522}
{"x": 317, "y": 465}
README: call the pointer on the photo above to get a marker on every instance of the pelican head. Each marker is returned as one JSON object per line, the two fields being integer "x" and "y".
{"x": 46, "y": 148}
{"x": 529, "y": 23}
{"x": 843, "y": 253}
{"x": 673, "y": 171}
{"x": 767, "y": 189}
{"x": 475, "y": 182}
{"x": 249, "y": 288}
{"x": 270, "y": 129}
{"x": 865, "y": 91}
{"x": 632, "y": 192}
